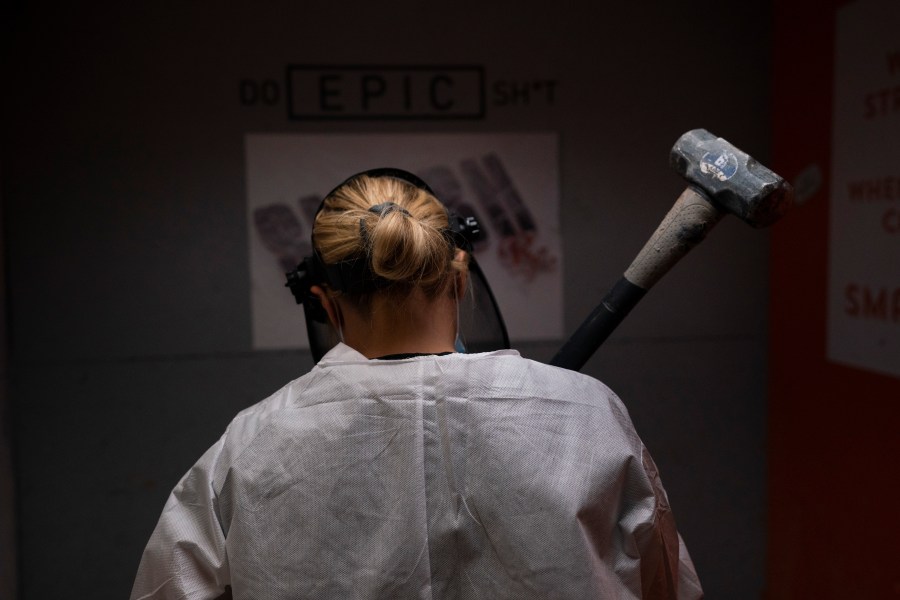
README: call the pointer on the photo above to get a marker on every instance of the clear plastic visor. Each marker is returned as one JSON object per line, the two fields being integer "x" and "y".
{"x": 481, "y": 326}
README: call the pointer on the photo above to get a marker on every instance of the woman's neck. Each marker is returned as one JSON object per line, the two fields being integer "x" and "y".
{"x": 418, "y": 325}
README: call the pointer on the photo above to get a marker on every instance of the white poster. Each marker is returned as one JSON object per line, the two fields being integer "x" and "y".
{"x": 510, "y": 182}
{"x": 864, "y": 260}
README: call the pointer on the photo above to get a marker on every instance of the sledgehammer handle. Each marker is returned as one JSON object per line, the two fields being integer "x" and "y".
{"x": 683, "y": 227}
{"x": 599, "y": 324}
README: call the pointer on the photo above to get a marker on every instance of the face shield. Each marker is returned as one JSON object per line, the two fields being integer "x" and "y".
{"x": 481, "y": 326}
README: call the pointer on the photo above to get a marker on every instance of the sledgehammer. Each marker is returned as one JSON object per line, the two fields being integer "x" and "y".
{"x": 721, "y": 180}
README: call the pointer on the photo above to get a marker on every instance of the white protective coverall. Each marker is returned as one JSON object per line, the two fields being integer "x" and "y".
{"x": 449, "y": 477}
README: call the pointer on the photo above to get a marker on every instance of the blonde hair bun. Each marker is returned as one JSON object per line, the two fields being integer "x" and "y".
{"x": 399, "y": 228}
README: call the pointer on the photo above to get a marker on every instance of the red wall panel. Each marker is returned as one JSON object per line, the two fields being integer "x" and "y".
{"x": 834, "y": 431}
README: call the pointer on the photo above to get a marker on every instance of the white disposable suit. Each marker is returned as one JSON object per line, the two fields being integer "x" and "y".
{"x": 449, "y": 477}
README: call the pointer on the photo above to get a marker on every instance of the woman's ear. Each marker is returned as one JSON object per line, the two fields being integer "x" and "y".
{"x": 328, "y": 303}
{"x": 462, "y": 282}
{"x": 462, "y": 278}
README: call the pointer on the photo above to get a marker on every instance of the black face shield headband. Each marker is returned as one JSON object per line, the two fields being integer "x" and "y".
{"x": 354, "y": 275}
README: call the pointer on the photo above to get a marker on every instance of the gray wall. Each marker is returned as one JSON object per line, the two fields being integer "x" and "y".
{"x": 126, "y": 243}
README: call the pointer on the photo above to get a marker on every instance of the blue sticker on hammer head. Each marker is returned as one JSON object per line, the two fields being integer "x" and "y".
{"x": 721, "y": 165}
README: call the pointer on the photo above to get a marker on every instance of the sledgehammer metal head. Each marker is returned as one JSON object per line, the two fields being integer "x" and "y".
{"x": 731, "y": 179}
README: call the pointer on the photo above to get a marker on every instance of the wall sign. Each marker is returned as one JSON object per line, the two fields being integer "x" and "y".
{"x": 864, "y": 259}
{"x": 346, "y": 92}
{"x": 392, "y": 92}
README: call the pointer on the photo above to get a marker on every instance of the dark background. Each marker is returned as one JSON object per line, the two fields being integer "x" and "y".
{"x": 126, "y": 251}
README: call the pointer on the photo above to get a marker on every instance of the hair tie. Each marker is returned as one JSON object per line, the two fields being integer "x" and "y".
{"x": 386, "y": 207}
{"x": 381, "y": 210}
